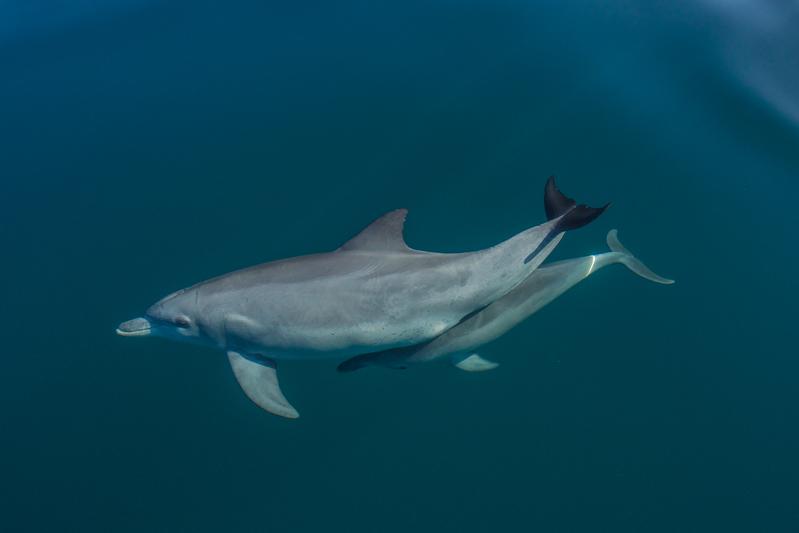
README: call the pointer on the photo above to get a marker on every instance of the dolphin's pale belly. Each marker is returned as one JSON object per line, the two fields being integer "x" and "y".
{"x": 365, "y": 306}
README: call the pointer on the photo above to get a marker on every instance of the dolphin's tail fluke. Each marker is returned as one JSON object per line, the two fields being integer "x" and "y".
{"x": 574, "y": 216}
{"x": 632, "y": 262}
{"x": 569, "y": 215}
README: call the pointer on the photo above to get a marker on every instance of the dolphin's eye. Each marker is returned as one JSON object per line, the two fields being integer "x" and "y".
{"x": 182, "y": 322}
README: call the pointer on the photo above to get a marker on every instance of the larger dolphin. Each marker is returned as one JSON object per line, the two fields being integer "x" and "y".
{"x": 373, "y": 293}
{"x": 542, "y": 287}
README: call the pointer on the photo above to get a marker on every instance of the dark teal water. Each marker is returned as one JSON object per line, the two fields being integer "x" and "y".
{"x": 149, "y": 145}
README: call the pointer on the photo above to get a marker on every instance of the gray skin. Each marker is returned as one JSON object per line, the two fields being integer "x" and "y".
{"x": 373, "y": 293}
{"x": 542, "y": 287}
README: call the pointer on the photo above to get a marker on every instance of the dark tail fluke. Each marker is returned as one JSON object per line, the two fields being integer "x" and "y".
{"x": 575, "y": 216}
{"x": 579, "y": 217}
{"x": 555, "y": 202}
{"x": 572, "y": 215}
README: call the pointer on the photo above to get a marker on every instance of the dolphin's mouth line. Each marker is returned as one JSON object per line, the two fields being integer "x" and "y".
{"x": 138, "y": 327}
{"x": 137, "y": 333}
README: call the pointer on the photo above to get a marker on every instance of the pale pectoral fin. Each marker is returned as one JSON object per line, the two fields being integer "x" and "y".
{"x": 473, "y": 363}
{"x": 258, "y": 379}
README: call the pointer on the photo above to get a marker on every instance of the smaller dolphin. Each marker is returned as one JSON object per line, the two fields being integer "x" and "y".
{"x": 540, "y": 288}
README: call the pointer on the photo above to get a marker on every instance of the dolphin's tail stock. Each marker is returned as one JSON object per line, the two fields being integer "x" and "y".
{"x": 572, "y": 215}
{"x": 630, "y": 261}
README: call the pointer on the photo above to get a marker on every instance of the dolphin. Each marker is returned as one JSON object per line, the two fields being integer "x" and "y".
{"x": 373, "y": 293}
{"x": 542, "y": 286}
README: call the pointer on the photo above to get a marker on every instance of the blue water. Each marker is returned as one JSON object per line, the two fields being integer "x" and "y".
{"x": 149, "y": 145}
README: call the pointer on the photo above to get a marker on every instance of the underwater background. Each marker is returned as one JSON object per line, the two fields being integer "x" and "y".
{"x": 147, "y": 145}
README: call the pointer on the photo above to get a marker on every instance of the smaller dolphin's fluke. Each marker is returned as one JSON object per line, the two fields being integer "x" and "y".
{"x": 258, "y": 380}
{"x": 633, "y": 263}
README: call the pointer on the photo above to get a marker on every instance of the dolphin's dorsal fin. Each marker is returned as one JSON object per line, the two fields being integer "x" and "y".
{"x": 258, "y": 379}
{"x": 384, "y": 234}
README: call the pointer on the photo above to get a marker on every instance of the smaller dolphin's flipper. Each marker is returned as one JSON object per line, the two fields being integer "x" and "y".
{"x": 473, "y": 363}
{"x": 387, "y": 358}
{"x": 258, "y": 380}
{"x": 632, "y": 262}
{"x": 353, "y": 363}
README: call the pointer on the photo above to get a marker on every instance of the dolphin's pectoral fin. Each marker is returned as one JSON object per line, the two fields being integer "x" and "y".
{"x": 386, "y": 358}
{"x": 258, "y": 379}
{"x": 473, "y": 363}
{"x": 396, "y": 358}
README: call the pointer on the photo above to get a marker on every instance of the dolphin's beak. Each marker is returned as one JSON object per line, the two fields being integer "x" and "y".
{"x": 138, "y": 327}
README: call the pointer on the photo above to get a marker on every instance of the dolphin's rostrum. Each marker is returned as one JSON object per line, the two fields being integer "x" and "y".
{"x": 373, "y": 293}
